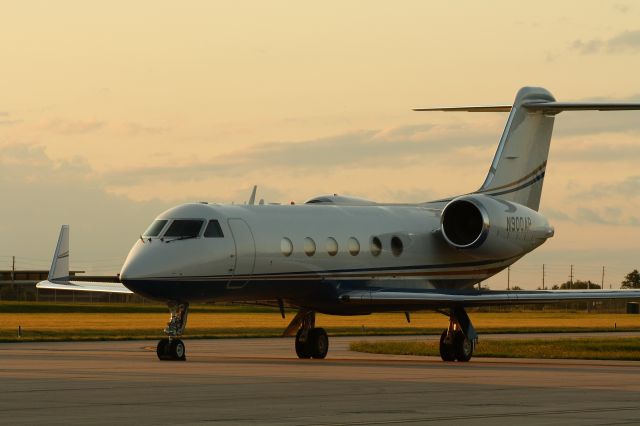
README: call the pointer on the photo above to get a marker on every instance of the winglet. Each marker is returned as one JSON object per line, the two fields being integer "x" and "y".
{"x": 60, "y": 265}
{"x": 252, "y": 199}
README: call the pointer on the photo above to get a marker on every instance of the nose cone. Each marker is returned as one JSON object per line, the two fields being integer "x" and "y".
{"x": 139, "y": 262}
{"x": 550, "y": 231}
{"x": 158, "y": 259}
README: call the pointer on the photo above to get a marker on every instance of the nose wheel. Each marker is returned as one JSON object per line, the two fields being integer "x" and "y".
{"x": 172, "y": 348}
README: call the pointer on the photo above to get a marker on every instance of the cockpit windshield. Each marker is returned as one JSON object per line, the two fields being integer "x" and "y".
{"x": 155, "y": 228}
{"x": 184, "y": 228}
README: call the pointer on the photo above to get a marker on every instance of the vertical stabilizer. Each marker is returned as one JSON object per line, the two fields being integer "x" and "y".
{"x": 60, "y": 265}
{"x": 518, "y": 168}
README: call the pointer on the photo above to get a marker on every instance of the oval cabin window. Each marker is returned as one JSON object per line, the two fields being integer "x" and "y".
{"x": 286, "y": 246}
{"x": 332, "y": 246}
{"x": 309, "y": 246}
{"x": 396, "y": 246}
{"x": 376, "y": 246}
{"x": 354, "y": 246}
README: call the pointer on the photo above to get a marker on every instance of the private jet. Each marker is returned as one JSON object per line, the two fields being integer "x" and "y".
{"x": 349, "y": 256}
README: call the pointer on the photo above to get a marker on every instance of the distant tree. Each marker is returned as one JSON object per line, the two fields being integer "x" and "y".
{"x": 631, "y": 280}
{"x": 576, "y": 285}
{"x": 516, "y": 288}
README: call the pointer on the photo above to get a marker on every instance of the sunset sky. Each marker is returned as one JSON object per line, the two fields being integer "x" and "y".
{"x": 111, "y": 112}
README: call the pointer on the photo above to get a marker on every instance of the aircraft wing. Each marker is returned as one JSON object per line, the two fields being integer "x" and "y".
{"x": 59, "y": 279}
{"x": 101, "y": 287}
{"x": 443, "y": 298}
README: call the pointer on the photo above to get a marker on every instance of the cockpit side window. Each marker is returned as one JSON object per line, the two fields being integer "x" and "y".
{"x": 184, "y": 228}
{"x": 155, "y": 228}
{"x": 213, "y": 230}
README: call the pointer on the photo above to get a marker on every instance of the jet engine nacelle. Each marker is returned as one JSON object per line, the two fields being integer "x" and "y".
{"x": 488, "y": 227}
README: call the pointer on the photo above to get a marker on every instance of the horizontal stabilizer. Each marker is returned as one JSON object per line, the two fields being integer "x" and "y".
{"x": 438, "y": 298}
{"x": 556, "y": 107}
{"x": 100, "y": 287}
{"x": 545, "y": 107}
{"x": 487, "y": 108}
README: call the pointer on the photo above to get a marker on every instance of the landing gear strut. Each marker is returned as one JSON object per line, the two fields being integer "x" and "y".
{"x": 459, "y": 340}
{"x": 172, "y": 348}
{"x": 311, "y": 342}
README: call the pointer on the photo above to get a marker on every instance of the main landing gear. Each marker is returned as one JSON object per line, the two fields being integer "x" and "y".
{"x": 459, "y": 340}
{"x": 311, "y": 342}
{"x": 172, "y": 348}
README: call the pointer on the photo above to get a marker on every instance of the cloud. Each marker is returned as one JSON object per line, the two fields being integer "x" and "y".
{"x": 46, "y": 193}
{"x": 601, "y": 151}
{"x": 589, "y": 215}
{"x": 626, "y": 41}
{"x": 9, "y": 122}
{"x": 6, "y": 121}
{"x": 613, "y": 216}
{"x": 394, "y": 147}
{"x": 627, "y": 188}
{"x": 71, "y": 127}
{"x": 612, "y": 203}
{"x": 554, "y": 214}
{"x": 622, "y": 8}
{"x": 136, "y": 129}
{"x": 605, "y": 216}
{"x": 21, "y": 162}
{"x": 588, "y": 47}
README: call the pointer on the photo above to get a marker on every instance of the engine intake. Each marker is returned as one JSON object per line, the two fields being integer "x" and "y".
{"x": 464, "y": 223}
{"x": 486, "y": 227}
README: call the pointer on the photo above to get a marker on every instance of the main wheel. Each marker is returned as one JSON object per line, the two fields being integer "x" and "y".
{"x": 319, "y": 343}
{"x": 446, "y": 349}
{"x": 177, "y": 350}
{"x": 463, "y": 347}
{"x": 303, "y": 349}
{"x": 161, "y": 349}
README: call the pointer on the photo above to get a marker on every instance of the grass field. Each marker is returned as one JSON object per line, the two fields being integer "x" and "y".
{"x": 50, "y": 321}
{"x": 625, "y": 348}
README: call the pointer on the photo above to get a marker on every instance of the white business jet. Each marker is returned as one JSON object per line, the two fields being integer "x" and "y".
{"x": 349, "y": 256}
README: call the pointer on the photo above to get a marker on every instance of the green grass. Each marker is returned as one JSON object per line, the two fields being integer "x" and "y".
{"x": 625, "y": 348}
{"x": 45, "y": 321}
{"x": 7, "y": 307}
{"x": 74, "y": 334}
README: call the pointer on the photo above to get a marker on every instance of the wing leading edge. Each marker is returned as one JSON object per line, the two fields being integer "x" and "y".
{"x": 100, "y": 287}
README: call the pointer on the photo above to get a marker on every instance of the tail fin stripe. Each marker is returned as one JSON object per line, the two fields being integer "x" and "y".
{"x": 538, "y": 169}
{"x": 518, "y": 188}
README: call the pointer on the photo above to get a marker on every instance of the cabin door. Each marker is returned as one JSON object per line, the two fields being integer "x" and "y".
{"x": 245, "y": 255}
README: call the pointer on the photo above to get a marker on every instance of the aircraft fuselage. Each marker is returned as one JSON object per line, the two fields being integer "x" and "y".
{"x": 308, "y": 253}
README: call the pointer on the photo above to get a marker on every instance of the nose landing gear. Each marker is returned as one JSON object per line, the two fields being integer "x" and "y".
{"x": 459, "y": 340}
{"x": 172, "y": 348}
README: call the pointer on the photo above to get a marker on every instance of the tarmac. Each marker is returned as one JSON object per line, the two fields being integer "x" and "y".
{"x": 260, "y": 381}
